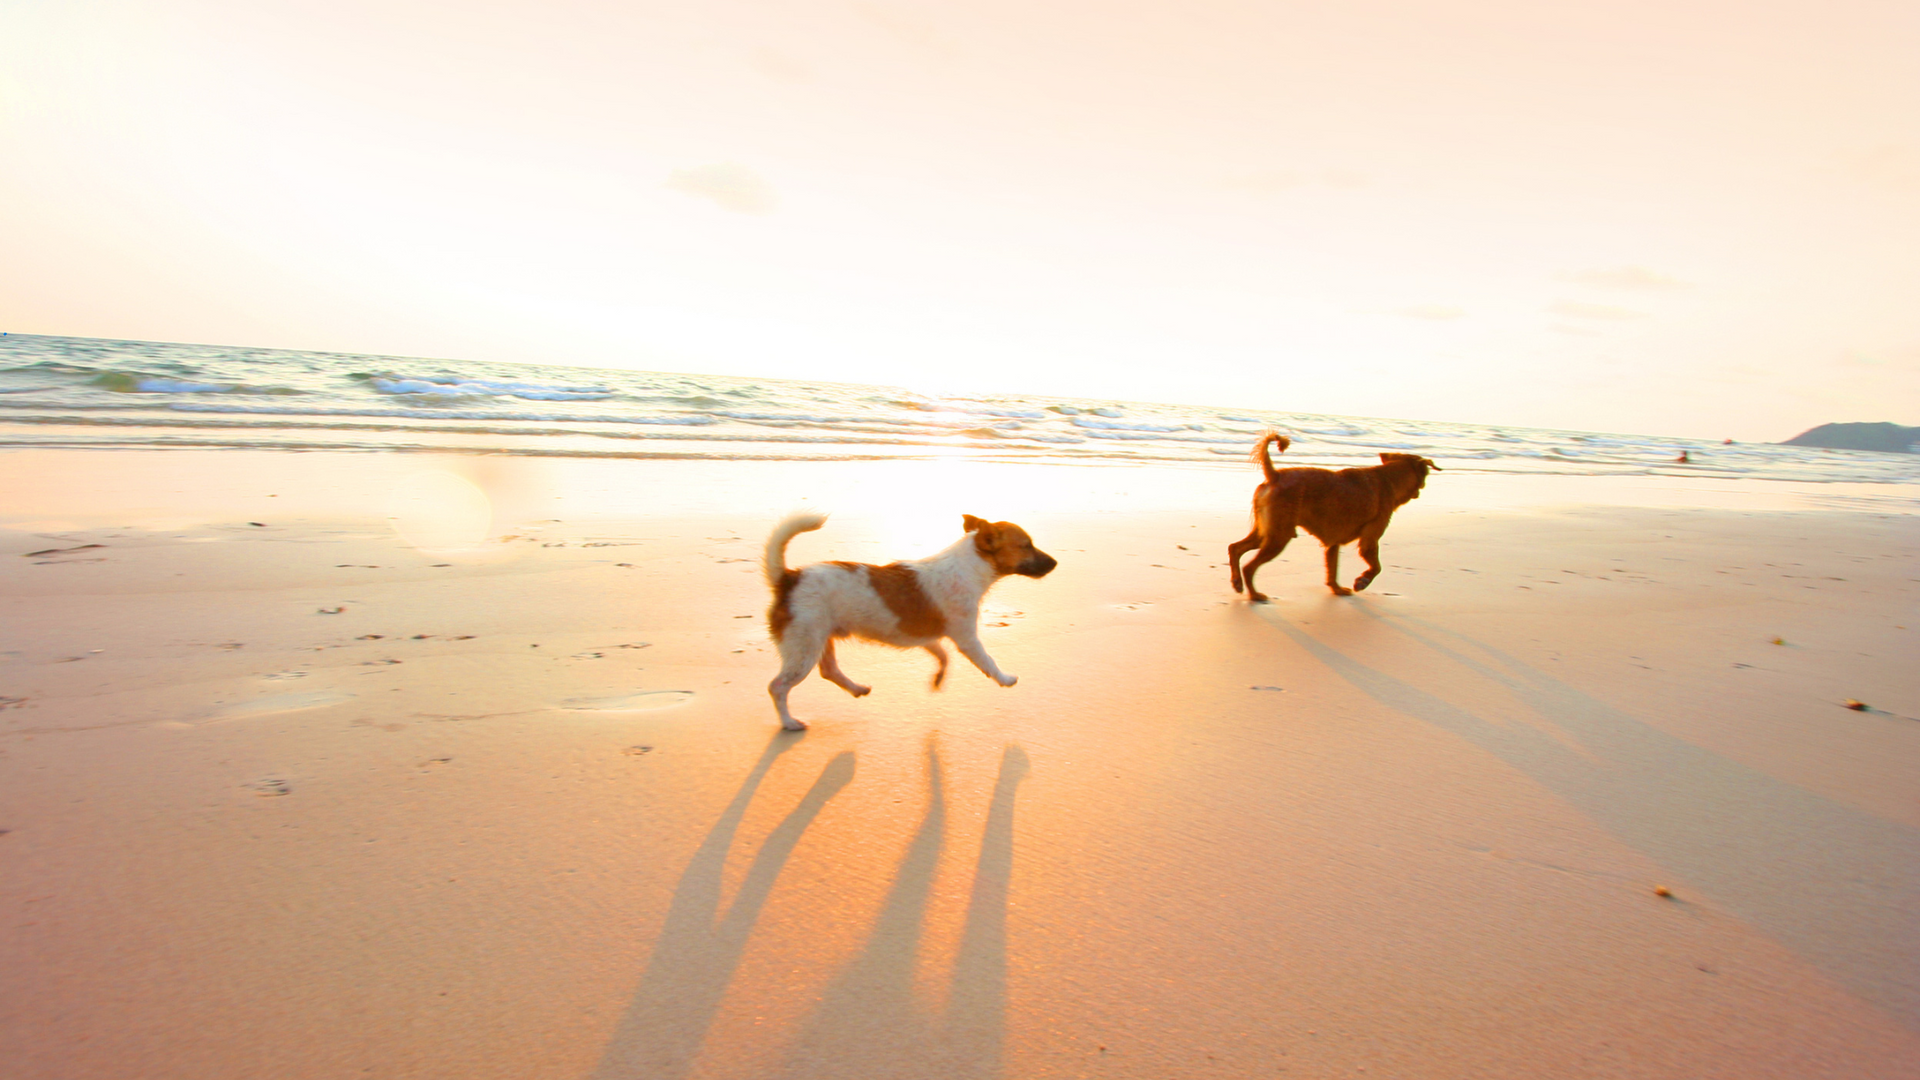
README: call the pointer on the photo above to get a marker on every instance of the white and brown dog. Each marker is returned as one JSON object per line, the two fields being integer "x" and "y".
{"x": 904, "y": 604}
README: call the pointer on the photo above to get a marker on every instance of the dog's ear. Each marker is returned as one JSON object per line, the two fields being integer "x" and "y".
{"x": 1387, "y": 458}
{"x": 985, "y": 539}
{"x": 1432, "y": 464}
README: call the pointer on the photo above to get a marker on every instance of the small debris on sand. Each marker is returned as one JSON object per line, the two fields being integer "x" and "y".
{"x": 61, "y": 551}
{"x": 330, "y": 611}
{"x": 1663, "y": 891}
{"x": 636, "y": 751}
{"x": 1857, "y": 706}
{"x": 271, "y": 786}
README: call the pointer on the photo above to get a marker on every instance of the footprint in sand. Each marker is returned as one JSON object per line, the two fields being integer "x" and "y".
{"x": 646, "y": 701}
{"x": 278, "y": 703}
{"x": 270, "y": 787}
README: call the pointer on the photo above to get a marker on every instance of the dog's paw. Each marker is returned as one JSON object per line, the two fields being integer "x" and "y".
{"x": 1257, "y": 597}
{"x": 794, "y": 725}
{"x": 1340, "y": 590}
{"x": 859, "y": 691}
{"x": 1006, "y": 680}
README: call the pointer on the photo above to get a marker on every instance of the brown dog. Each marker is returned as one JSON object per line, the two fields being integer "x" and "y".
{"x": 1336, "y": 507}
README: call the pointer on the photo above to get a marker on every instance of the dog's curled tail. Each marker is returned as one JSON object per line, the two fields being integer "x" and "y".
{"x": 794, "y": 525}
{"x": 1260, "y": 453}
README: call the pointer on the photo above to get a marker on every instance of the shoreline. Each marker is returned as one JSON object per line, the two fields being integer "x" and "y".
{"x": 75, "y": 484}
{"x": 463, "y": 766}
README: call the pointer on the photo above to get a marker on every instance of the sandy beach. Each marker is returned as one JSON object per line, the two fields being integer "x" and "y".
{"x": 403, "y": 765}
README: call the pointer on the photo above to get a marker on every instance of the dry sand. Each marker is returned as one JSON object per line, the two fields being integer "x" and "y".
{"x": 398, "y": 766}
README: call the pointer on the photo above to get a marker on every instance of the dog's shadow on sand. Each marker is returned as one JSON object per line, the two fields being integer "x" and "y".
{"x": 1839, "y": 886}
{"x": 867, "y": 1022}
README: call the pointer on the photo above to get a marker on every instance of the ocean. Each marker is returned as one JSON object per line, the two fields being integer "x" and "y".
{"x": 91, "y": 393}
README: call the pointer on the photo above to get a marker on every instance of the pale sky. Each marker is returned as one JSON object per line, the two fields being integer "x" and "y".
{"x": 1684, "y": 217}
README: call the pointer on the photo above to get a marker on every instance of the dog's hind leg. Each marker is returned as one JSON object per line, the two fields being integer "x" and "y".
{"x": 800, "y": 648}
{"x": 830, "y": 670}
{"x": 1333, "y": 572}
{"x": 1235, "y": 550}
{"x": 1276, "y": 542}
{"x": 940, "y": 654}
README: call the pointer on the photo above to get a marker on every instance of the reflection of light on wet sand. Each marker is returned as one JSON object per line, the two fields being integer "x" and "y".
{"x": 278, "y": 703}
{"x": 645, "y": 701}
{"x": 438, "y": 511}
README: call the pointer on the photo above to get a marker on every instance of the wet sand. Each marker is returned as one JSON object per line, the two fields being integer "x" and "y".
{"x": 332, "y": 765}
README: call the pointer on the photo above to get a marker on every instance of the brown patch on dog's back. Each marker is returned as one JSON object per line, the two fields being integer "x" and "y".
{"x": 780, "y": 614}
{"x": 898, "y": 584}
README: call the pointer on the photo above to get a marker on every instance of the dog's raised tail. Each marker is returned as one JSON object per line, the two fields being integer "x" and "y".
{"x": 1260, "y": 453}
{"x": 792, "y": 526}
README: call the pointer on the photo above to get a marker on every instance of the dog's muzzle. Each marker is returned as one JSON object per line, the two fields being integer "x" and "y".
{"x": 1040, "y": 565}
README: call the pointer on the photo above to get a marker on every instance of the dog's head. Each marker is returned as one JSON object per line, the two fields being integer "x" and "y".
{"x": 1416, "y": 470}
{"x": 1008, "y": 548}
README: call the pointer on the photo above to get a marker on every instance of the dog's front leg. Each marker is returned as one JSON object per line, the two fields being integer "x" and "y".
{"x": 940, "y": 654}
{"x": 1333, "y": 572}
{"x": 967, "y": 640}
{"x": 1370, "y": 551}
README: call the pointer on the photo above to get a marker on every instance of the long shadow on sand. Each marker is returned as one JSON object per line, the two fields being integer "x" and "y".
{"x": 867, "y": 1023}
{"x": 694, "y": 959}
{"x": 1839, "y": 886}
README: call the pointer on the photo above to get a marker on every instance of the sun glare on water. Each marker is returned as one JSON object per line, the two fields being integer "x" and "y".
{"x": 917, "y": 512}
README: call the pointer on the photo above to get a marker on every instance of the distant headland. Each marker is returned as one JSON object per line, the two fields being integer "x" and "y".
{"x": 1888, "y": 438}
